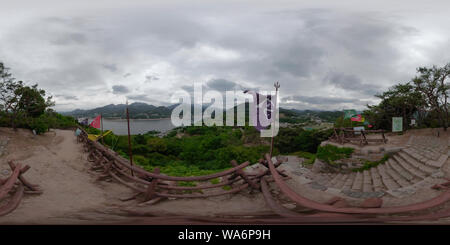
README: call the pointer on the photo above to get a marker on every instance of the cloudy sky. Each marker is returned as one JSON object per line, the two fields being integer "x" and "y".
{"x": 326, "y": 54}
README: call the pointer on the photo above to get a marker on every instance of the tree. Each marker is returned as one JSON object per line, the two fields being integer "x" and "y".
{"x": 434, "y": 85}
{"x": 400, "y": 100}
{"x": 32, "y": 101}
{"x": 17, "y": 100}
{"x": 9, "y": 94}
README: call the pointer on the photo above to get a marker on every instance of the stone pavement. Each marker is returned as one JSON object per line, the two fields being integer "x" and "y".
{"x": 414, "y": 167}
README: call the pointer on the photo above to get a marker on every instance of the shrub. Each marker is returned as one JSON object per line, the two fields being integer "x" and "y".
{"x": 331, "y": 153}
{"x": 371, "y": 164}
{"x": 309, "y": 157}
{"x": 38, "y": 124}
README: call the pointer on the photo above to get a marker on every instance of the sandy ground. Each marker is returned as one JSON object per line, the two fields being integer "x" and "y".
{"x": 59, "y": 167}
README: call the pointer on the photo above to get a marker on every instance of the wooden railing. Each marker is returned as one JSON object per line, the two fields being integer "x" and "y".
{"x": 346, "y": 135}
{"x": 13, "y": 188}
{"x": 153, "y": 186}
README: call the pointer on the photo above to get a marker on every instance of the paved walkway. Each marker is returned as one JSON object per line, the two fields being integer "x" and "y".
{"x": 415, "y": 167}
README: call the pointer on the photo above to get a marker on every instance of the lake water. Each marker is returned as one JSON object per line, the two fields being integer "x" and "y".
{"x": 137, "y": 126}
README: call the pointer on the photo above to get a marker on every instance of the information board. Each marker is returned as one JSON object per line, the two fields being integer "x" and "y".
{"x": 397, "y": 124}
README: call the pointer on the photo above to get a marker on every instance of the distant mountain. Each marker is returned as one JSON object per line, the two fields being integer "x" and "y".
{"x": 328, "y": 116}
{"x": 146, "y": 111}
{"x": 136, "y": 111}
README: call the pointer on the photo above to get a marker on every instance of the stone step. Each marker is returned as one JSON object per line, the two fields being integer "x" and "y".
{"x": 387, "y": 179}
{"x": 367, "y": 181}
{"x": 322, "y": 179}
{"x": 400, "y": 170}
{"x": 439, "y": 162}
{"x": 396, "y": 177}
{"x": 349, "y": 181}
{"x": 340, "y": 183}
{"x": 411, "y": 152}
{"x": 358, "y": 182}
{"x": 424, "y": 169}
{"x": 416, "y": 173}
{"x": 333, "y": 181}
{"x": 376, "y": 180}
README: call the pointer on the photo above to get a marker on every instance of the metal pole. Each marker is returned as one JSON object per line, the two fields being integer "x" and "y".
{"x": 277, "y": 85}
{"x": 101, "y": 122}
{"x": 129, "y": 142}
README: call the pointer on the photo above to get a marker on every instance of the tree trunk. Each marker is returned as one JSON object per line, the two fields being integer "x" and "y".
{"x": 13, "y": 122}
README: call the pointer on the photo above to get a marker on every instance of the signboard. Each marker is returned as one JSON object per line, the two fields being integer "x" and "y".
{"x": 413, "y": 122}
{"x": 397, "y": 124}
{"x": 349, "y": 113}
{"x": 358, "y": 129}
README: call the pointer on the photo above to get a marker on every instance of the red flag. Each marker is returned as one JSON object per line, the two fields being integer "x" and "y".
{"x": 96, "y": 122}
{"x": 358, "y": 118}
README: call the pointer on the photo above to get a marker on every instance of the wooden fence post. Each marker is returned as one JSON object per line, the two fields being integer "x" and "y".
{"x": 151, "y": 189}
{"x": 240, "y": 172}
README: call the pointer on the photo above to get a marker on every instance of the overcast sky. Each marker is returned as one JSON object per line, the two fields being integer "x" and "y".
{"x": 326, "y": 54}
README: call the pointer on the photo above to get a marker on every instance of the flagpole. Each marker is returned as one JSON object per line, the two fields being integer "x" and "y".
{"x": 277, "y": 85}
{"x": 129, "y": 141}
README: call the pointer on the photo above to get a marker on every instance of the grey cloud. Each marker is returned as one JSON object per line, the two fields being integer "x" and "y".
{"x": 140, "y": 97}
{"x": 319, "y": 100}
{"x": 67, "y": 97}
{"x": 352, "y": 83}
{"x": 311, "y": 51}
{"x": 187, "y": 88}
{"x": 150, "y": 78}
{"x": 70, "y": 38}
{"x": 110, "y": 67}
{"x": 221, "y": 85}
{"x": 120, "y": 89}
{"x": 146, "y": 98}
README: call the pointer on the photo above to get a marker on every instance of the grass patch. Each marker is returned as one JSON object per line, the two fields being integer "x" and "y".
{"x": 309, "y": 157}
{"x": 370, "y": 164}
{"x": 180, "y": 169}
{"x": 227, "y": 187}
{"x": 331, "y": 153}
{"x": 187, "y": 183}
{"x": 214, "y": 181}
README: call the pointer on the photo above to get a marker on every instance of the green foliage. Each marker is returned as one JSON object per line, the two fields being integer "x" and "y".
{"x": 424, "y": 98}
{"x": 32, "y": 101}
{"x": 309, "y": 157}
{"x": 215, "y": 181}
{"x": 331, "y": 153}
{"x": 39, "y": 125}
{"x": 26, "y": 107}
{"x": 307, "y": 116}
{"x": 371, "y": 164}
{"x": 401, "y": 100}
{"x": 203, "y": 150}
{"x": 156, "y": 144}
{"x": 187, "y": 183}
{"x": 296, "y": 139}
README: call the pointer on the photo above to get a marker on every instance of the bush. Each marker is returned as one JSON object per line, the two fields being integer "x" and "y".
{"x": 309, "y": 157}
{"x": 331, "y": 153}
{"x": 371, "y": 164}
{"x": 39, "y": 125}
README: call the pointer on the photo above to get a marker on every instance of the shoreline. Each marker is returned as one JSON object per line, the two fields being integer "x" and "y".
{"x": 137, "y": 119}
